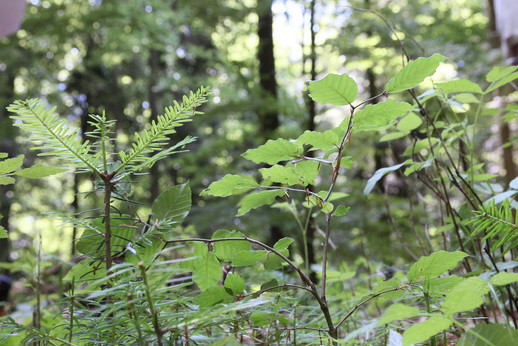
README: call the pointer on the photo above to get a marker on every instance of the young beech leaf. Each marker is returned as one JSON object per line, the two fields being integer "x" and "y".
{"x": 497, "y": 73}
{"x": 260, "y": 318}
{"x": 226, "y": 250}
{"x": 338, "y": 90}
{"x": 324, "y": 141}
{"x": 409, "y": 122}
{"x": 503, "y": 278}
{"x": 230, "y": 185}
{"x": 497, "y": 334}
{"x": 341, "y": 210}
{"x": 307, "y": 171}
{"x": 206, "y": 271}
{"x": 380, "y": 115}
{"x": 235, "y": 283}
{"x": 397, "y": 312}
{"x": 213, "y": 295}
{"x": 434, "y": 265}
{"x": 10, "y": 165}
{"x": 6, "y": 180}
{"x": 255, "y": 200}
{"x": 421, "y": 331}
{"x": 414, "y": 73}
{"x": 283, "y": 244}
{"x": 247, "y": 258}
{"x": 274, "y": 151}
{"x": 39, "y": 171}
{"x": 281, "y": 174}
{"x": 3, "y": 233}
{"x": 173, "y": 205}
{"x": 461, "y": 85}
{"x": 467, "y": 295}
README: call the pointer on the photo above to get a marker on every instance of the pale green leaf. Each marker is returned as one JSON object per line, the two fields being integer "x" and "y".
{"x": 434, "y": 265}
{"x": 467, "y": 295}
{"x": 341, "y": 210}
{"x": 503, "y": 278}
{"x": 213, "y": 295}
{"x": 173, "y": 205}
{"x": 10, "y": 165}
{"x": 414, "y": 73}
{"x": 281, "y": 174}
{"x": 260, "y": 318}
{"x": 39, "y": 171}
{"x": 460, "y": 85}
{"x": 246, "y": 258}
{"x": 227, "y": 341}
{"x": 397, "y": 312}
{"x": 3, "y": 155}
{"x": 235, "y": 283}
{"x": 206, "y": 271}
{"x": 422, "y": 331}
{"x": 379, "y": 174}
{"x": 502, "y": 82}
{"x": 307, "y": 171}
{"x": 274, "y": 151}
{"x": 324, "y": 141}
{"x": 466, "y": 98}
{"x": 497, "y": 73}
{"x": 338, "y": 90}
{"x": 283, "y": 244}
{"x": 258, "y": 199}
{"x": 489, "y": 334}
{"x": 327, "y": 207}
{"x": 3, "y": 233}
{"x": 230, "y": 185}
{"x": 380, "y": 115}
{"x": 391, "y": 136}
{"x": 409, "y": 122}
{"x": 226, "y": 250}
{"x": 6, "y": 180}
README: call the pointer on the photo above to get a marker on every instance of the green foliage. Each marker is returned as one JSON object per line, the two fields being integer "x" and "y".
{"x": 414, "y": 73}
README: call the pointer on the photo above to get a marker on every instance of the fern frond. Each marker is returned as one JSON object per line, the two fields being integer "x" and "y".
{"x": 155, "y": 139}
{"x": 56, "y": 137}
{"x": 497, "y": 223}
{"x": 101, "y": 132}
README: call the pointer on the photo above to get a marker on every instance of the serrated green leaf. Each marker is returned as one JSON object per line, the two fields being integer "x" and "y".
{"x": 497, "y": 334}
{"x": 273, "y": 261}
{"x": 230, "y": 185}
{"x": 39, "y": 171}
{"x": 226, "y": 250}
{"x": 502, "y": 82}
{"x": 503, "y": 278}
{"x": 467, "y": 295}
{"x": 327, "y": 207}
{"x": 255, "y": 200}
{"x": 409, "y": 122}
{"x": 391, "y": 136}
{"x": 397, "y": 312}
{"x": 172, "y": 205}
{"x": 283, "y": 244}
{"x": 213, "y": 295}
{"x": 443, "y": 284}
{"x": 235, "y": 283}
{"x": 380, "y": 115}
{"x": 422, "y": 331}
{"x": 497, "y": 73}
{"x": 460, "y": 85}
{"x": 6, "y": 180}
{"x": 270, "y": 284}
{"x": 246, "y": 258}
{"x": 274, "y": 151}
{"x": 414, "y": 73}
{"x": 324, "y": 141}
{"x": 206, "y": 271}
{"x": 434, "y": 265}
{"x": 379, "y": 174}
{"x": 341, "y": 210}
{"x": 281, "y": 174}
{"x": 338, "y": 90}
{"x": 10, "y": 165}
{"x": 307, "y": 171}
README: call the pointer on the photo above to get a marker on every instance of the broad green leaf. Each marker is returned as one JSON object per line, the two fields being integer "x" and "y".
{"x": 504, "y": 278}
{"x": 341, "y": 210}
{"x": 283, "y": 244}
{"x": 497, "y": 73}
{"x": 307, "y": 171}
{"x": 255, "y": 200}
{"x": 338, "y": 90}
{"x": 145, "y": 251}
{"x": 226, "y": 250}
{"x": 6, "y": 180}
{"x": 443, "y": 284}
{"x": 10, "y": 165}
{"x": 409, "y": 122}
{"x": 434, "y": 265}
{"x": 379, "y": 174}
{"x": 213, "y": 295}
{"x": 460, "y": 85}
{"x": 388, "y": 285}
{"x": 324, "y": 141}
{"x": 414, "y": 73}
{"x": 391, "y": 136}
{"x": 281, "y": 174}
{"x": 380, "y": 115}
{"x": 466, "y": 98}
{"x": 274, "y": 151}
{"x": 398, "y": 312}
{"x": 467, "y": 295}
{"x": 3, "y": 155}
{"x": 39, "y": 171}
{"x": 86, "y": 271}
{"x": 273, "y": 261}
{"x": 173, "y": 205}
{"x": 3, "y": 233}
{"x": 206, "y": 271}
{"x": 270, "y": 284}
{"x": 230, "y": 185}
{"x": 227, "y": 341}
{"x": 327, "y": 207}
{"x": 235, "y": 283}
{"x": 489, "y": 334}
{"x": 502, "y": 82}
{"x": 422, "y": 331}
{"x": 260, "y": 318}
{"x": 246, "y": 258}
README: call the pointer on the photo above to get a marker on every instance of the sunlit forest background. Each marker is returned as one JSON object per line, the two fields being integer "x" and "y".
{"x": 131, "y": 59}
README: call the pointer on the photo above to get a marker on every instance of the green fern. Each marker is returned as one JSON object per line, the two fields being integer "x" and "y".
{"x": 497, "y": 223}
{"x": 55, "y": 136}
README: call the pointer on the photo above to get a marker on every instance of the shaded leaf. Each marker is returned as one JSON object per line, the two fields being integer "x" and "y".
{"x": 274, "y": 151}
{"x": 258, "y": 199}
{"x": 230, "y": 185}
{"x": 410, "y": 122}
{"x": 173, "y": 205}
{"x": 380, "y": 115}
{"x": 206, "y": 271}
{"x": 379, "y": 174}
{"x": 226, "y": 250}
{"x": 497, "y": 334}
{"x": 10, "y": 165}
{"x": 281, "y": 174}
{"x": 246, "y": 258}
{"x": 39, "y": 171}
{"x": 213, "y": 295}
{"x": 235, "y": 283}
{"x": 434, "y": 265}
{"x": 460, "y": 85}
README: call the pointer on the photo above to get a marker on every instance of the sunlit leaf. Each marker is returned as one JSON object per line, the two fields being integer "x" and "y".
{"x": 235, "y": 283}
{"x": 173, "y": 205}
{"x": 460, "y": 85}
{"x": 409, "y": 122}
{"x": 397, "y": 312}
{"x": 206, "y": 271}
{"x": 414, "y": 73}
{"x": 434, "y": 265}
{"x": 39, "y": 171}
{"x": 255, "y": 200}
{"x": 467, "y": 295}
{"x": 422, "y": 331}
{"x": 503, "y": 278}
{"x": 274, "y": 151}
{"x": 380, "y": 115}
{"x": 226, "y": 250}
{"x": 230, "y": 185}
{"x": 338, "y": 90}
{"x": 10, "y": 165}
